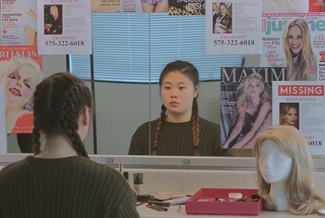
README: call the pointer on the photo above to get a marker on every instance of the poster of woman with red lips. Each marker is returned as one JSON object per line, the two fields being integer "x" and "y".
{"x": 20, "y": 72}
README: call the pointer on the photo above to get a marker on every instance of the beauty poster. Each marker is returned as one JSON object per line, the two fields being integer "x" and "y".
{"x": 186, "y": 7}
{"x": 19, "y": 22}
{"x": 295, "y": 41}
{"x": 3, "y": 134}
{"x": 64, "y": 27}
{"x": 112, "y": 6}
{"x": 246, "y": 103}
{"x": 20, "y": 73}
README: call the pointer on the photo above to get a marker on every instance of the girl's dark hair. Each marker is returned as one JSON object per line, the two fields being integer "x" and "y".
{"x": 192, "y": 73}
{"x": 59, "y": 100}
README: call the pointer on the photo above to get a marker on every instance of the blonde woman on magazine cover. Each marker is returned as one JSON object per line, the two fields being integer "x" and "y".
{"x": 301, "y": 62}
{"x": 254, "y": 112}
{"x": 20, "y": 77}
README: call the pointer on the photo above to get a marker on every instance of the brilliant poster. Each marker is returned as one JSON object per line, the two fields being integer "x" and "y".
{"x": 246, "y": 103}
{"x": 21, "y": 72}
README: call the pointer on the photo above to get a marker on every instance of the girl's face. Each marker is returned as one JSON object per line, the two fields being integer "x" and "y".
{"x": 177, "y": 92}
{"x": 291, "y": 117}
{"x": 294, "y": 39}
{"x": 254, "y": 88}
{"x": 222, "y": 10}
{"x": 20, "y": 85}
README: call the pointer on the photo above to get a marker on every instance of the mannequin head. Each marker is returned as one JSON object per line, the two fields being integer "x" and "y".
{"x": 275, "y": 165}
{"x": 289, "y": 144}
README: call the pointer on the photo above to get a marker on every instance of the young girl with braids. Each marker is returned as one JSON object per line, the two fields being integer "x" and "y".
{"x": 179, "y": 130}
{"x": 60, "y": 180}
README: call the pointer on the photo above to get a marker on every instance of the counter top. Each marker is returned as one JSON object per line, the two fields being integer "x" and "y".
{"x": 173, "y": 212}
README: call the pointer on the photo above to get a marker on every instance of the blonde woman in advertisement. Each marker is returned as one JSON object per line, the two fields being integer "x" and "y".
{"x": 20, "y": 77}
{"x": 301, "y": 62}
{"x": 254, "y": 112}
{"x": 285, "y": 172}
{"x": 289, "y": 115}
{"x": 222, "y": 21}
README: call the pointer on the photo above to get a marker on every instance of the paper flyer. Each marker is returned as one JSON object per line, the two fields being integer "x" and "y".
{"x": 19, "y": 22}
{"x": 246, "y": 103}
{"x": 3, "y": 134}
{"x": 186, "y": 7}
{"x": 295, "y": 41}
{"x": 232, "y": 28}
{"x": 64, "y": 27}
{"x": 21, "y": 72}
{"x": 111, "y": 6}
{"x": 301, "y": 104}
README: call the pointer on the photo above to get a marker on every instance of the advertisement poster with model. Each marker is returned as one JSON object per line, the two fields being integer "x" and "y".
{"x": 109, "y": 6}
{"x": 20, "y": 73}
{"x": 301, "y": 104}
{"x": 232, "y": 28}
{"x": 64, "y": 27}
{"x": 3, "y": 134}
{"x": 246, "y": 103}
{"x": 19, "y": 22}
{"x": 186, "y": 7}
{"x": 295, "y": 41}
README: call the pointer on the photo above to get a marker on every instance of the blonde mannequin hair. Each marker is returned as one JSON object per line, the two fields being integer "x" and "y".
{"x": 303, "y": 194}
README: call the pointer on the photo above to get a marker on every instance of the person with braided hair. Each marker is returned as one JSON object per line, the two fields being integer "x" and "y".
{"x": 179, "y": 130}
{"x": 60, "y": 180}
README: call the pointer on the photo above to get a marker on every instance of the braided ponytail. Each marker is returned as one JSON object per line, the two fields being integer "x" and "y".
{"x": 162, "y": 118}
{"x": 195, "y": 126}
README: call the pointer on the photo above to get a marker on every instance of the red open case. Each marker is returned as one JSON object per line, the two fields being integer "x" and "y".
{"x": 210, "y": 206}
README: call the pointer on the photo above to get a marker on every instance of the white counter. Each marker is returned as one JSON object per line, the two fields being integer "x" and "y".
{"x": 173, "y": 212}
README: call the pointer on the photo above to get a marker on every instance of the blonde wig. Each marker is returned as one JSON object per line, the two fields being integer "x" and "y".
{"x": 243, "y": 97}
{"x": 302, "y": 192}
{"x": 306, "y": 58}
{"x": 280, "y": 6}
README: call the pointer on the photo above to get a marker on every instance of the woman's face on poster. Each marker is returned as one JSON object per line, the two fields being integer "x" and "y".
{"x": 294, "y": 39}
{"x": 54, "y": 11}
{"x": 254, "y": 88}
{"x": 291, "y": 117}
{"x": 20, "y": 85}
{"x": 222, "y": 10}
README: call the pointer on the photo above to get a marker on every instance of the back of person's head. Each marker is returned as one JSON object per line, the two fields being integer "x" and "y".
{"x": 59, "y": 101}
{"x": 190, "y": 71}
